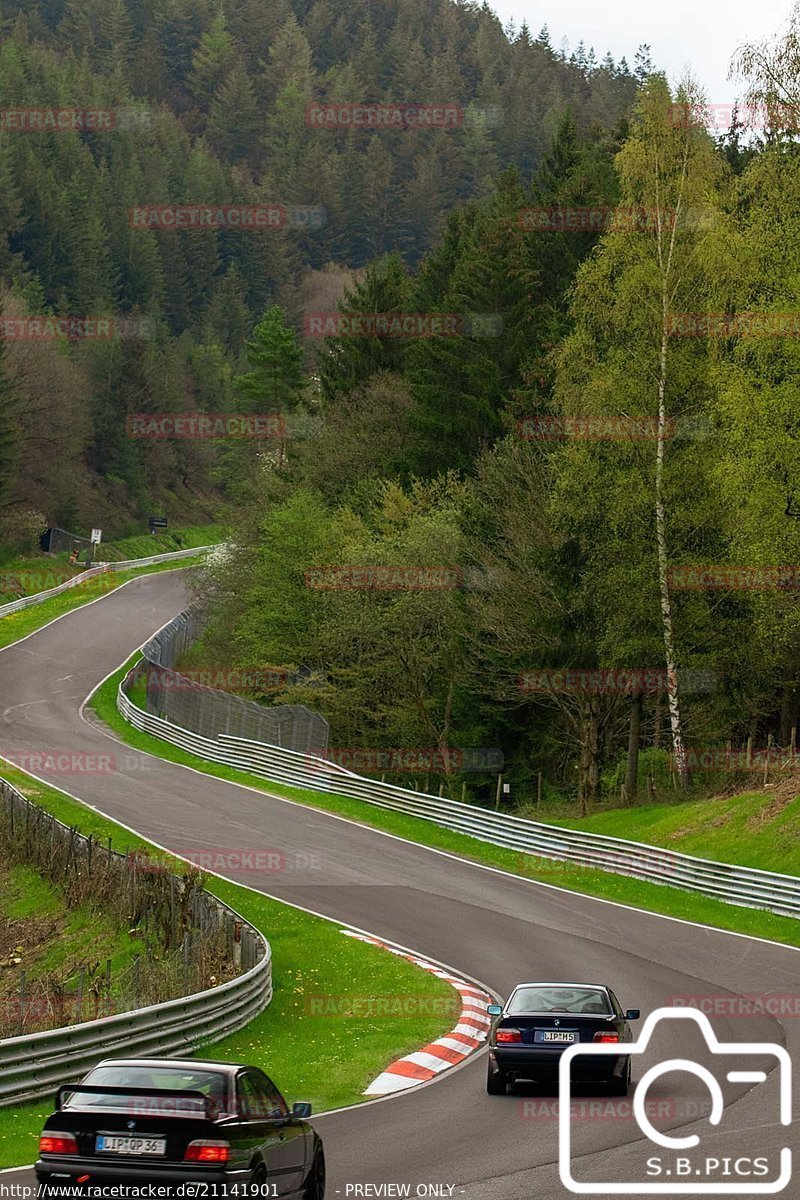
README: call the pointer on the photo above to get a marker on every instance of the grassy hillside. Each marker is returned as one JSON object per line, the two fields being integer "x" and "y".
{"x": 756, "y": 829}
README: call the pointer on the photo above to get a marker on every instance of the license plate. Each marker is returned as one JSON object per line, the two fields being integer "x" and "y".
{"x": 112, "y": 1144}
{"x": 561, "y": 1037}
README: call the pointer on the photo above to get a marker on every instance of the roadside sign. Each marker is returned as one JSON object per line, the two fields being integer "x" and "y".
{"x": 157, "y": 523}
{"x": 96, "y": 536}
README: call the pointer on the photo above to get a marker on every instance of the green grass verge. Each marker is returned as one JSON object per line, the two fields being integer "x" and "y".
{"x": 144, "y": 544}
{"x": 754, "y": 829}
{"x": 18, "y": 625}
{"x": 311, "y": 1053}
{"x": 669, "y": 901}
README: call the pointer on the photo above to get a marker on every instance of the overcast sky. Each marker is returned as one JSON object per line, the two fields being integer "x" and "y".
{"x": 700, "y": 34}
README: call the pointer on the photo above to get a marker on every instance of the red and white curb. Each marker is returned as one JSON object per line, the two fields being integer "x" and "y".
{"x": 448, "y": 1051}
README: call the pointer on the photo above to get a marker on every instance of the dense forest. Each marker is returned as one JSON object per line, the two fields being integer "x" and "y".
{"x": 532, "y": 489}
{"x": 606, "y": 484}
{"x": 189, "y": 102}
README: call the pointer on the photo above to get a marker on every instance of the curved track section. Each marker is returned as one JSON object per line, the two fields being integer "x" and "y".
{"x": 490, "y": 926}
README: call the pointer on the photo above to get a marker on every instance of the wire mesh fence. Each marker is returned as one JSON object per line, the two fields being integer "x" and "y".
{"x": 61, "y": 541}
{"x": 210, "y": 711}
{"x": 183, "y": 940}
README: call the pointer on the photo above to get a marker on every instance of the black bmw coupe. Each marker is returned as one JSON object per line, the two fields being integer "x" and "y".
{"x": 540, "y": 1020}
{"x": 168, "y": 1121}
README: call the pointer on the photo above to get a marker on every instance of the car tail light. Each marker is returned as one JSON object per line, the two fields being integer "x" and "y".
{"x": 508, "y": 1035}
{"x": 606, "y": 1037}
{"x": 207, "y": 1152}
{"x": 58, "y": 1143}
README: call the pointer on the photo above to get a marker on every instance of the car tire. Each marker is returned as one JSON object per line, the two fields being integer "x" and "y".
{"x": 258, "y": 1175}
{"x": 315, "y": 1183}
{"x": 619, "y": 1087}
{"x": 496, "y": 1082}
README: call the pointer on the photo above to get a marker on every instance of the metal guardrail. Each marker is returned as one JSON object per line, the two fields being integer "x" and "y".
{"x": 34, "y": 1064}
{"x": 101, "y": 569}
{"x": 748, "y": 887}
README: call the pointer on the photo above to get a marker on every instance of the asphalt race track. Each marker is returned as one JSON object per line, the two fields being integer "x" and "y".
{"x": 493, "y": 927}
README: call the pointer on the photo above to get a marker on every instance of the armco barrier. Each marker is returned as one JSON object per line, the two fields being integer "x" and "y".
{"x": 745, "y": 886}
{"x": 100, "y": 569}
{"x": 33, "y": 1065}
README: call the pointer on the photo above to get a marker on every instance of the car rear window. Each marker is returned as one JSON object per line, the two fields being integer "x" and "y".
{"x": 582, "y": 1001}
{"x": 213, "y": 1084}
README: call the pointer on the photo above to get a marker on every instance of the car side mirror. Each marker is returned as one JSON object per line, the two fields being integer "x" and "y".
{"x": 494, "y": 1010}
{"x": 633, "y": 1014}
{"x": 302, "y": 1110}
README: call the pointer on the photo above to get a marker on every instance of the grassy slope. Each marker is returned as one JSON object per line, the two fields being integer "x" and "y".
{"x": 756, "y": 829}
{"x": 145, "y": 544}
{"x": 669, "y": 901}
{"x": 323, "y": 1058}
{"x": 74, "y": 937}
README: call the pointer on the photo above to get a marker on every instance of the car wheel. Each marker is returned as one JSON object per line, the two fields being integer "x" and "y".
{"x": 315, "y": 1184}
{"x": 496, "y": 1082}
{"x": 258, "y": 1176}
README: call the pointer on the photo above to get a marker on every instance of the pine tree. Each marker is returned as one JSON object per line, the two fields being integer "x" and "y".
{"x": 234, "y": 122}
{"x": 212, "y": 62}
{"x": 346, "y": 362}
{"x": 275, "y": 379}
{"x": 643, "y": 63}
